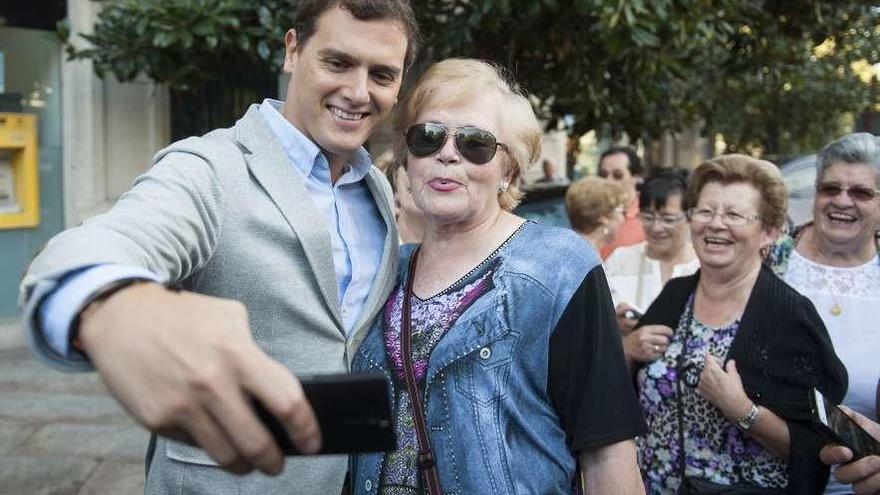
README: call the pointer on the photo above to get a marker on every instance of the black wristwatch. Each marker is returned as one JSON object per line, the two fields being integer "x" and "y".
{"x": 102, "y": 293}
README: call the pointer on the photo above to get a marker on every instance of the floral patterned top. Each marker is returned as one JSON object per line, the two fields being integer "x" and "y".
{"x": 430, "y": 320}
{"x": 715, "y": 449}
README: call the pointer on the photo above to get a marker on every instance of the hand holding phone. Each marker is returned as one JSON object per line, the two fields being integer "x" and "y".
{"x": 353, "y": 411}
{"x": 835, "y": 426}
{"x": 632, "y": 314}
{"x": 627, "y": 317}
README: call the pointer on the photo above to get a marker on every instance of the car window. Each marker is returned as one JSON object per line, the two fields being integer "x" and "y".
{"x": 800, "y": 176}
{"x": 801, "y": 181}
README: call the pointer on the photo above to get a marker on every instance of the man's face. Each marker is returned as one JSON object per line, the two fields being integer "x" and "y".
{"x": 616, "y": 167}
{"x": 344, "y": 81}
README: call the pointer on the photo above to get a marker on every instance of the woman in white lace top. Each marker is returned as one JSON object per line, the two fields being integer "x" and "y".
{"x": 637, "y": 273}
{"x": 834, "y": 262}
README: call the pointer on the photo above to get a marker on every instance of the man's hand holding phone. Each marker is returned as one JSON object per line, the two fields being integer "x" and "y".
{"x": 864, "y": 473}
{"x": 187, "y": 370}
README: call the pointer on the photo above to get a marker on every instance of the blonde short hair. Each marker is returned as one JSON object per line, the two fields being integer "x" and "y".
{"x": 456, "y": 81}
{"x": 590, "y": 199}
{"x": 763, "y": 175}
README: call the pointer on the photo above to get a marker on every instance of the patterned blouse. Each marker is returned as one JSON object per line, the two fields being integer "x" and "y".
{"x": 715, "y": 449}
{"x": 430, "y": 319}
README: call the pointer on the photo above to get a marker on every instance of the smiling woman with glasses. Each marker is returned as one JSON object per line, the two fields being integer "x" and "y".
{"x": 506, "y": 368}
{"x": 730, "y": 388}
{"x": 834, "y": 261}
{"x": 637, "y": 273}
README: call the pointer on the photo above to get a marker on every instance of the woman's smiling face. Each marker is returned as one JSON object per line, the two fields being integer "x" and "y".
{"x": 724, "y": 247}
{"x": 841, "y": 220}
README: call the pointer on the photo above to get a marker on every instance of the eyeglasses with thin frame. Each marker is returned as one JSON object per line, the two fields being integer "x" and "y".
{"x": 665, "y": 220}
{"x": 859, "y": 194}
{"x": 730, "y": 218}
{"x": 476, "y": 145}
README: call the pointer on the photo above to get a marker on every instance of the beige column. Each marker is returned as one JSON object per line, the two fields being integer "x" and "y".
{"x": 110, "y": 129}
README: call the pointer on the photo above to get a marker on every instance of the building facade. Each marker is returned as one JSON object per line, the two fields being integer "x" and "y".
{"x": 94, "y": 135}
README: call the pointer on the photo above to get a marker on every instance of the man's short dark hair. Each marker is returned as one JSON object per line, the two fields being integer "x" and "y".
{"x": 635, "y": 163}
{"x": 308, "y": 12}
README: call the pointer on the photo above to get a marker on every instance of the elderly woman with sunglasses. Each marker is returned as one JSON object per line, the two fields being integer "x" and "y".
{"x": 834, "y": 262}
{"x": 637, "y": 273}
{"x": 726, "y": 402}
{"x": 500, "y": 344}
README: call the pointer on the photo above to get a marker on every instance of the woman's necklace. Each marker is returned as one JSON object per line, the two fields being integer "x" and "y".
{"x": 836, "y": 309}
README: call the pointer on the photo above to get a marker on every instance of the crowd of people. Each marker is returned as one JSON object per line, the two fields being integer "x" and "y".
{"x": 518, "y": 360}
{"x": 743, "y": 320}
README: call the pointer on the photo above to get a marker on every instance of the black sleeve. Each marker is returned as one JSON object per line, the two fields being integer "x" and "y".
{"x": 588, "y": 381}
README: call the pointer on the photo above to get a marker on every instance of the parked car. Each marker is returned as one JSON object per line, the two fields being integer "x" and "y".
{"x": 545, "y": 204}
{"x": 799, "y": 175}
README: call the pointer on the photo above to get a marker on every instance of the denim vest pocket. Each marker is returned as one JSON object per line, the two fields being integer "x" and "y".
{"x": 482, "y": 375}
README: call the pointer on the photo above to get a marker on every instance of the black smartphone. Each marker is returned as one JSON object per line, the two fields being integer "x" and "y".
{"x": 353, "y": 411}
{"x": 834, "y": 426}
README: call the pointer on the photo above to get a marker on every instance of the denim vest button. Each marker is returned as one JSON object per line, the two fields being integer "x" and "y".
{"x": 485, "y": 353}
{"x": 368, "y": 485}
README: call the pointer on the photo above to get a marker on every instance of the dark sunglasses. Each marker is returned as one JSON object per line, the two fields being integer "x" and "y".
{"x": 856, "y": 193}
{"x": 476, "y": 145}
{"x": 616, "y": 174}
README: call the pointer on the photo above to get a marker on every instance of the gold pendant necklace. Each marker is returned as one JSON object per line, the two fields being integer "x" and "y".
{"x": 836, "y": 310}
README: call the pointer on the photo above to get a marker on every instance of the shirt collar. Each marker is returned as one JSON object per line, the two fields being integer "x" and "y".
{"x": 304, "y": 153}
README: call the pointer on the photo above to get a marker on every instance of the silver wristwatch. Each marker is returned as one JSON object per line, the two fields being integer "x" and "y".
{"x": 749, "y": 419}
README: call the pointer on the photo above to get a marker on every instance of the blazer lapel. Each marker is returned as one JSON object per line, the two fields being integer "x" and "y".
{"x": 269, "y": 164}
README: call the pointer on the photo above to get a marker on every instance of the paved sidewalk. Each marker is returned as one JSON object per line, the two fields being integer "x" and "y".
{"x": 60, "y": 433}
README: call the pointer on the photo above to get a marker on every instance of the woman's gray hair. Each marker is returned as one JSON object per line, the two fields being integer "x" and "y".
{"x": 859, "y": 147}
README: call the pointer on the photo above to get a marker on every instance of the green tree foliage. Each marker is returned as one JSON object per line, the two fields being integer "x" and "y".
{"x": 746, "y": 68}
{"x": 786, "y": 87}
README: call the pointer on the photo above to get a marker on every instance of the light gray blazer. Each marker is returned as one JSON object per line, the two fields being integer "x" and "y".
{"x": 226, "y": 215}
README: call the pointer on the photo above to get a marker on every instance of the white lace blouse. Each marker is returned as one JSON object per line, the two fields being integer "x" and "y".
{"x": 635, "y": 279}
{"x": 847, "y": 299}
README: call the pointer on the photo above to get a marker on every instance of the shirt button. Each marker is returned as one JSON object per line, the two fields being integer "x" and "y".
{"x": 485, "y": 353}
{"x": 368, "y": 485}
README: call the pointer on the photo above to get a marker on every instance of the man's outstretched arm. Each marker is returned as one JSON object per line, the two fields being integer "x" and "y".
{"x": 186, "y": 367}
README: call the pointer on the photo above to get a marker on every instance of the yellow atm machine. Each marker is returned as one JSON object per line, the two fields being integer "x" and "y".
{"x": 19, "y": 174}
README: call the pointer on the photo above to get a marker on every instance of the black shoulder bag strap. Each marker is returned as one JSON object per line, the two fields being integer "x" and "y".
{"x": 425, "y": 460}
{"x": 679, "y": 390}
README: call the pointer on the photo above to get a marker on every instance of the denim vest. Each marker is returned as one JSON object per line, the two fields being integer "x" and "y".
{"x": 491, "y": 423}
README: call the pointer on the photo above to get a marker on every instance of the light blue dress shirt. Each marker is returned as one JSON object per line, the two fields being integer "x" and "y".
{"x": 357, "y": 234}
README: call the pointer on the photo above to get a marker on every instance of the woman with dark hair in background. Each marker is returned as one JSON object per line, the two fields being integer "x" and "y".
{"x": 637, "y": 273}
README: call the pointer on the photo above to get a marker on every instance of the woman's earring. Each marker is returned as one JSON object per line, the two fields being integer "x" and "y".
{"x": 503, "y": 186}
{"x": 605, "y": 231}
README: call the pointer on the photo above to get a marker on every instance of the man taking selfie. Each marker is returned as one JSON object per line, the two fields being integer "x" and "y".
{"x": 281, "y": 235}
